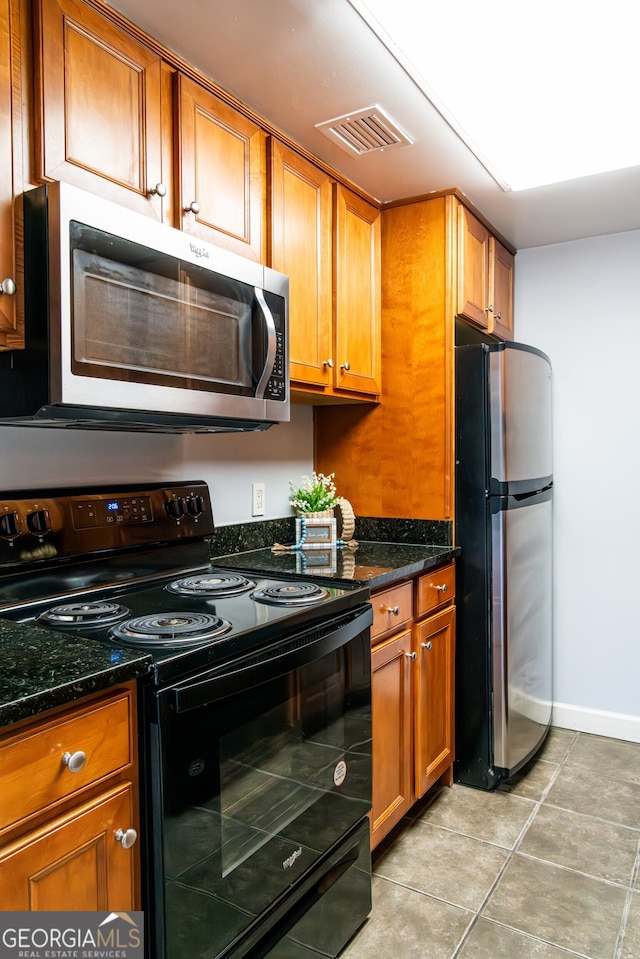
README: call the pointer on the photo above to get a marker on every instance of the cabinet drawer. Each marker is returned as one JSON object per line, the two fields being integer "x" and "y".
{"x": 435, "y": 589}
{"x": 33, "y": 771}
{"x": 392, "y": 609}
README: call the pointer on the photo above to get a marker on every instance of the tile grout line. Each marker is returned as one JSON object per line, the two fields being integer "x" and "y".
{"x": 627, "y": 906}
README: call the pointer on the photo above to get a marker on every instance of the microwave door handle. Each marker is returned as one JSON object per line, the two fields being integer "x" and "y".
{"x": 270, "y": 327}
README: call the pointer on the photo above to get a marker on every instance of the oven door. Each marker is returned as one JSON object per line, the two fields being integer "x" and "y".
{"x": 260, "y": 770}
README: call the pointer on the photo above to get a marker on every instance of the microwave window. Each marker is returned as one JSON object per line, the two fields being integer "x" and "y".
{"x": 154, "y": 319}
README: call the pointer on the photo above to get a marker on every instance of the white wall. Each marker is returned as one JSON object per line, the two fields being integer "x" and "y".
{"x": 578, "y": 302}
{"x": 37, "y": 458}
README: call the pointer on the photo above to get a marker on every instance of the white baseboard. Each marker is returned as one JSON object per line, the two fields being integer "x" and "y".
{"x": 597, "y": 721}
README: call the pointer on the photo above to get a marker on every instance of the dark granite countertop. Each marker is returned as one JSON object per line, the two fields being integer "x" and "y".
{"x": 372, "y": 563}
{"x": 40, "y": 669}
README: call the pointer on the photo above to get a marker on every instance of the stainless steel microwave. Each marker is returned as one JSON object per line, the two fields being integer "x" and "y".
{"x": 131, "y": 324}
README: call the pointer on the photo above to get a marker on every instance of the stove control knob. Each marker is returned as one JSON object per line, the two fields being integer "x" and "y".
{"x": 175, "y": 507}
{"x": 38, "y": 521}
{"x": 9, "y": 525}
{"x": 195, "y": 505}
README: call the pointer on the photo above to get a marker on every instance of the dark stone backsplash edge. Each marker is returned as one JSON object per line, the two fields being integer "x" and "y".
{"x": 240, "y": 537}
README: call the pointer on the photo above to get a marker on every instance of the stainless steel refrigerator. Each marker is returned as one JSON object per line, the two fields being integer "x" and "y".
{"x": 504, "y": 485}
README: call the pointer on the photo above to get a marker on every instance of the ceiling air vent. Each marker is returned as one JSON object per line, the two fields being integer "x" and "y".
{"x": 364, "y": 131}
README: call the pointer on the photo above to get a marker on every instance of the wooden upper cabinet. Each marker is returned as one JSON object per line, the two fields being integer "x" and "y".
{"x": 99, "y": 93}
{"x": 8, "y": 269}
{"x": 300, "y": 235}
{"x": 501, "y": 272}
{"x": 222, "y": 172}
{"x": 472, "y": 299}
{"x": 357, "y": 270}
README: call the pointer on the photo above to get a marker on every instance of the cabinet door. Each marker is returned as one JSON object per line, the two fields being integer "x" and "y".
{"x": 300, "y": 230}
{"x": 100, "y": 107}
{"x": 472, "y": 301}
{"x": 74, "y": 862}
{"x": 434, "y": 698}
{"x": 501, "y": 270}
{"x": 7, "y": 243}
{"x": 357, "y": 356}
{"x": 222, "y": 178}
{"x": 391, "y": 688}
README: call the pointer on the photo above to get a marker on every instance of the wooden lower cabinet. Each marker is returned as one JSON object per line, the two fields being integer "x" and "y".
{"x": 69, "y": 814}
{"x": 412, "y": 693}
{"x": 433, "y": 700}
{"x": 75, "y": 862}
{"x": 391, "y": 693}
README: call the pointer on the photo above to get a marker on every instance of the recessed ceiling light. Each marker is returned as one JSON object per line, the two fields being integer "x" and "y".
{"x": 540, "y": 94}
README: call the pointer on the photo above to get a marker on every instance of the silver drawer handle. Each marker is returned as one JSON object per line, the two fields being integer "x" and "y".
{"x": 391, "y": 609}
{"x": 427, "y": 646}
{"x": 126, "y": 837}
{"x": 74, "y": 761}
{"x": 8, "y": 286}
{"x": 441, "y": 589}
{"x": 412, "y": 656}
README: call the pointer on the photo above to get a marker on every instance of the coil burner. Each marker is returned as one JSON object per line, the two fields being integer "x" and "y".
{"x": 75, "y": 615}
{"x": 211, "y": 584}
{"x": 170, "y": 629}
{"x": 290, "y": 594}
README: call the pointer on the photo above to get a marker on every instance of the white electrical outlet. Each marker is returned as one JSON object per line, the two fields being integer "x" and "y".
{"x": 257, "y": 490}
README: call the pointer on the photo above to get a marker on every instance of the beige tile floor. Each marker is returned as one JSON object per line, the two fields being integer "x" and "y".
{"x": 545, "y": 868}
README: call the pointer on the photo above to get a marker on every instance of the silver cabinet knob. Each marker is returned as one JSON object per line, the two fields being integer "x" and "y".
{"x": 192, "y": 208}
{"x": 441, "y": 589}
{"x": 158, "y": 190}
{"x": 427, "y": 646}
{"x": 498, "y": 316}
{"x": 345, "y": 366}
{"x": 412, "y": 656}
{"x": 489, "y": 309}
{"x": 74, "y": 761}
{"x": 394, "y": 610}
{"x": 126, "y": 837}
{"x": 328, "y": 363}
{"x": 8, "y": 286}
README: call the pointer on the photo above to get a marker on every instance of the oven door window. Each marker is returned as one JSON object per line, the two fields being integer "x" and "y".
{"x": 152, "y": 318}
{"x": 257, "y": 787}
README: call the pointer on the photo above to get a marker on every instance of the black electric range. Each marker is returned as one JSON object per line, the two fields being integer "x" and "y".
{"x": 254, "y": 725}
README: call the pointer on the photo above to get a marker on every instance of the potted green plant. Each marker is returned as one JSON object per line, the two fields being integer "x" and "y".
{"x": 315, "y": 496}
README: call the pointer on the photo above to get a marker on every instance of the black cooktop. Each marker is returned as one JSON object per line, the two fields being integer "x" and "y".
{"x": 129, "y": 567}
{"x": 182, "y": 630}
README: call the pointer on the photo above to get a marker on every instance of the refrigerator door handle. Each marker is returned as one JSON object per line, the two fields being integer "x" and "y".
{"x": 499, "y": 639}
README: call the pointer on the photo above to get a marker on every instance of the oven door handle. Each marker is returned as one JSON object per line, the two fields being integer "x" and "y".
{"x": 260, "y": 666}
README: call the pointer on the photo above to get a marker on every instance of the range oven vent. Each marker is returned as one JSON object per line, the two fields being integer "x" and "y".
{"x": 364, "y": 131}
